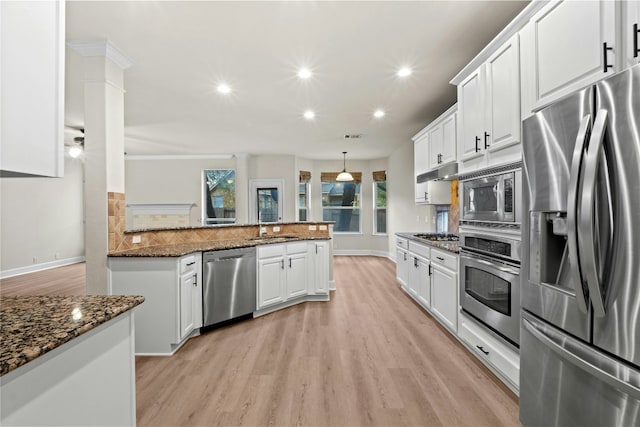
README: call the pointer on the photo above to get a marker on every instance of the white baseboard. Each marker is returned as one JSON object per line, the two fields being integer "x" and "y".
{"x": 39, "y": 267}
{"x": 361, "y": 252}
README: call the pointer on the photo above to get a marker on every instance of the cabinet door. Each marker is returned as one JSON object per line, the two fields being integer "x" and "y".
{"x": 423, "y": 282}
{"x": 321, "y": 267}
{"x": 402, "y": 267}
{"x": 568, "y": 43}
{"x": 297, "y": 275}
{"x": 187, "y": 285}
{"x": 435, "y": 146}
{"x": 271, "y": 276}
{"x": 32, "y": 76}
{"x": 444, "y": 297}
{"x": 470, "y": 115}
{"x": 448, "y": 150}
{"x": 414, "y": 276}
{"x": 502, "y": 77}
{"x": 420, "y": 165}
{"x": 631, "y": 33}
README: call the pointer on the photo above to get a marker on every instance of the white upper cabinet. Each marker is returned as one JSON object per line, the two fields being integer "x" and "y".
{"x": 32, "y": 88}
{"x": 570, "y": 44}
{"x": 489, "y": 110}
{"x": 631, "y": 33}
{"x": 470, "y": 116}
{"x": 442, "y": 139}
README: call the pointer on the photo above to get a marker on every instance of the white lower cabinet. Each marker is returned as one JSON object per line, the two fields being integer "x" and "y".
{"x": 419, "y": 280}
{"x": 318, "y": 282}
{"x": 444, "y": 288}
{"x": 402, "y": 261}
{"x": 297, "y": 270}
{"x": 283, "y": 273}
{"x": 172, "y": 288}
{"x": 503, "y": 359}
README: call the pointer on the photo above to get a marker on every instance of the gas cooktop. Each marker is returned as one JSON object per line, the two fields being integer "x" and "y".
{"x": 438, "y": 237}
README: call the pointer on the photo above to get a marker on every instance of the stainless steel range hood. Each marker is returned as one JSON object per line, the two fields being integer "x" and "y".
{"x": 447, "y": 172}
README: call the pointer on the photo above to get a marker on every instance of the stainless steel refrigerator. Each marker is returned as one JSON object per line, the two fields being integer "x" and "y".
{"x": 580, "y": 296}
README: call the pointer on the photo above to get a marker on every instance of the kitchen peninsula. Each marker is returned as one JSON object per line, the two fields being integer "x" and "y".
{"x": 67, "y": 360}
{"x": 290, "y": 263}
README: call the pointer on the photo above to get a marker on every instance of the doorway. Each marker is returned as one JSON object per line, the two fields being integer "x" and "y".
{"x": 266, "y": 200}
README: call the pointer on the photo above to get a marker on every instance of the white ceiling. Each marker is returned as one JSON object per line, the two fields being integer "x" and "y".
{"x": 181, "y": 50}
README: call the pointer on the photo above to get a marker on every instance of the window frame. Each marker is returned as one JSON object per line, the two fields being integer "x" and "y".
{"x": 358, "y": 196}
{"x": 376, "y": 209}
{"x": 203, "y": 191}
{"x": 307, "y": 208}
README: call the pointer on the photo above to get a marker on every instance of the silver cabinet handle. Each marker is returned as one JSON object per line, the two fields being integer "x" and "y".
{"x": 440, "y": 258}
{"x": 195, "y": 280}
{"x": 613, "y": 373}
{"x": 190, "y": 263}
{"x": 586, "y": 240}
{"x": 289, "y": 262}
{"x": 572, "y": 209}
{"x": 282, "y": 264}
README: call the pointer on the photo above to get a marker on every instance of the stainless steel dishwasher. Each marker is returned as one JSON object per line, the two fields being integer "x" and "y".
{"x": 229, "y": 284}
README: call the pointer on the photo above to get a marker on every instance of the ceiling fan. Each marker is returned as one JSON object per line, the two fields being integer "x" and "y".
{"x": 74, "y": 140}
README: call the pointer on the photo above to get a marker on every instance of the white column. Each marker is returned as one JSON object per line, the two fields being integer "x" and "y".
{"x": 104, "y": 150}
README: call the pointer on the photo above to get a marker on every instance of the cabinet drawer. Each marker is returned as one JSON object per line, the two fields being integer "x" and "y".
{"x": 268, "y": 251}
{"x": 420, "y": 250}
{"x": 297, "y": 248}
{"x": 187, "y": 263}
{"x": 446, "y": 260}
{"x": 402, "y": 243}
{"x": 490, "y": 349}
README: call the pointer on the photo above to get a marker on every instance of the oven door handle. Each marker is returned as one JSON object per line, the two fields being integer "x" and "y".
{"x": 572, "y": 210}
{"x": 490, "y": 264}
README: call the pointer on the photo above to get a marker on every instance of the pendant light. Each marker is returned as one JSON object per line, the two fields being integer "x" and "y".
{"x": 344, "y": 175}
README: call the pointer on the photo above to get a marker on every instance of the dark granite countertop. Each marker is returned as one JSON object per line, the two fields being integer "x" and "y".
{"x": 196, "y": 227}
{"x": 445, "y": 245}
{"x": 31, "y": 326}
{"x": 181, "y": 249}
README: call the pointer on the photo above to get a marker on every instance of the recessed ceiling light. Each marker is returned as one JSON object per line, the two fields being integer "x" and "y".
{"x": 378, "y": 114}
{"x": 309, "y": 114}
{"x": 404, "y": 72}
{"x": 304, "y": 73}
{"x": 223, "y": 88}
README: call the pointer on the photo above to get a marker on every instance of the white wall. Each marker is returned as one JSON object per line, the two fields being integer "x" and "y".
{"x": 42, "y": 218}
{"x": 171, "y": 181}
{"x": 403, "y": 214}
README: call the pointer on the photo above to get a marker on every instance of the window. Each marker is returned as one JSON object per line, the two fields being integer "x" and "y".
{"x": 379, "y": 202}
{"x": 219, "y": 196}
{"x": 341, "y": 202}
{"x": 303, "y": 196}
{"x": 442, "y": 219}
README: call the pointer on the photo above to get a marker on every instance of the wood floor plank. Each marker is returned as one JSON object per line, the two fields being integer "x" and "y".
{"x": 67, "y": 280}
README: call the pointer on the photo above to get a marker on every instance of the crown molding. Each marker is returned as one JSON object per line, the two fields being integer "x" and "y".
{"x": 101, "y": 48}
{"x": 177, "y": 156}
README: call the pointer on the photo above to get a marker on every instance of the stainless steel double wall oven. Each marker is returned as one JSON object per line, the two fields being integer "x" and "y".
{"x": 490, "y": 249}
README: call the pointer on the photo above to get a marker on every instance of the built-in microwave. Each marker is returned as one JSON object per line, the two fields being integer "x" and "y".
{"x": 491, "y": 197}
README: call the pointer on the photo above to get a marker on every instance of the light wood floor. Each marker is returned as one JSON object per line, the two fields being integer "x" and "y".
{"x": 370, "y": 356}
{"x": 67, "y": 280}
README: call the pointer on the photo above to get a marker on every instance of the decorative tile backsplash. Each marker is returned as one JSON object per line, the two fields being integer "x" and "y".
{"x": 454, "y": 209}
{"x": 120, "y": 240}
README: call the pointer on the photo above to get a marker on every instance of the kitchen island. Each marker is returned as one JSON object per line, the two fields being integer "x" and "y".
{"x": 67, "y": 360}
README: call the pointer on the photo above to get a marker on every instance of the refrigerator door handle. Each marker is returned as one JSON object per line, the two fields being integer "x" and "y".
{"x": 578, "y": 354}
{"x": 572, "y": 210}
{"x": 587, "y": 244}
